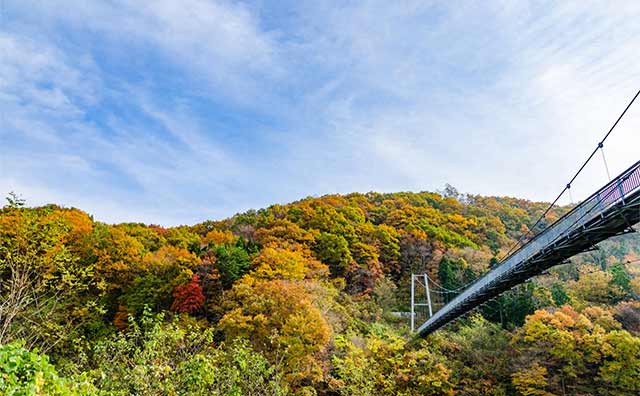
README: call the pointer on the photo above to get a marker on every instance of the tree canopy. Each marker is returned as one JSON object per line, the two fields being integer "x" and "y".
{"x": 303, "y": 299}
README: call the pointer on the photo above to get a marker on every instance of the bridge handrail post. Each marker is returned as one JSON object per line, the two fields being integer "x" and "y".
{"x": 621, "y": 190}
{"x": 599, "y": 202}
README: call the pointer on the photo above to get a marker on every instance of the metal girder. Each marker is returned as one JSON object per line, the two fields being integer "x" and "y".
{"x": 611, "y": 211}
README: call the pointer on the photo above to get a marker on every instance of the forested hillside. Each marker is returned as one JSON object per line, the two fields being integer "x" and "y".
{"x": 302, "y": 299}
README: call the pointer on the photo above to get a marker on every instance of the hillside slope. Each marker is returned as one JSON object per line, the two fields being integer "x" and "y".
{"x": 298, "y": 299}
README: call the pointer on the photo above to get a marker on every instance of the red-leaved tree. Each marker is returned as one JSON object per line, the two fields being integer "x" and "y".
{"x": 188, "y": 298}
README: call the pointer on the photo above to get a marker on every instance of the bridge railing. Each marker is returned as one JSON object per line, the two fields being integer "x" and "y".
{"x": 608, "y": 196}
{"x": 611, "y": 194}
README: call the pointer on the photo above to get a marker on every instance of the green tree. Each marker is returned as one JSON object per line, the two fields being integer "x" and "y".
{"x": 25, "y": 373}
{"x": 454, "y": 272}
{"x": 620, "y": 277}
{"x": 232, "y": 263}
{"x": 184, "y": 238}
{"x": 153, "y": 358}
{"x": 383, "y": 366}
{"x": 512, "y": 307}
{"x": 619, "y": 372}
{"x": 477, "y": 352}
{"x": 559, "y": 294}
{"x": 333, "y": 250}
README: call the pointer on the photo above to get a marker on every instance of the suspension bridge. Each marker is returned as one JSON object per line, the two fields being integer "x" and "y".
{"x": 610, "y": 211}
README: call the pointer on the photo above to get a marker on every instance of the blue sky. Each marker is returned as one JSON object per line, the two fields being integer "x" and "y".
{"x": 174, "y": 112}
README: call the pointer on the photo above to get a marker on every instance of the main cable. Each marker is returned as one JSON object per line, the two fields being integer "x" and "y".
{"x": 568, "y": 185}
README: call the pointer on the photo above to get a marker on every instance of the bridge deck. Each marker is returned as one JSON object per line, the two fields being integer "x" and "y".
{"x": 611, "y": 211}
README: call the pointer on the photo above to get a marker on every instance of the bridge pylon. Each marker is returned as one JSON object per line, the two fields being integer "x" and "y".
{"x": 422, "y": 280}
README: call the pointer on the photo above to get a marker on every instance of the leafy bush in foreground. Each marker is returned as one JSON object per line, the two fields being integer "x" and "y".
{"x": 24, "y": 373}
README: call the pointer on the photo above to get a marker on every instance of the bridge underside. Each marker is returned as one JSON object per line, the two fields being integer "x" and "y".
{"x": 615, "y": 220}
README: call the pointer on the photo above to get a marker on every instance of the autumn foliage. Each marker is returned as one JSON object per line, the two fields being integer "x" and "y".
{"x": 188, "y": 298}
{"x": 307, "y": 298}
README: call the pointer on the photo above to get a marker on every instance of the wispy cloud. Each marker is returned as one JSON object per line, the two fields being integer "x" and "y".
{"x": 495, "y": 98}
{"x": 219, "y": 42}
{"x": 174, "y": 112}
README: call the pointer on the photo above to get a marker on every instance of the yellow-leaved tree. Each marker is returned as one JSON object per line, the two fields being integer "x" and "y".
{"x": 280, "y": 320}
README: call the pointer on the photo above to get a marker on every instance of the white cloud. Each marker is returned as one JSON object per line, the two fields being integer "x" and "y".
{"x": 53, "y": 151}
{"x": 497, "y": 100}
{"x": 494, "y": 97}
{"x": 219, "y": 41}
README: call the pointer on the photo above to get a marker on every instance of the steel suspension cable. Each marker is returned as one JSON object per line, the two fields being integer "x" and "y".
{"x": 568, "y": 186}
{"x": 444, "y": 288}
{"x": 604, "y": 159}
